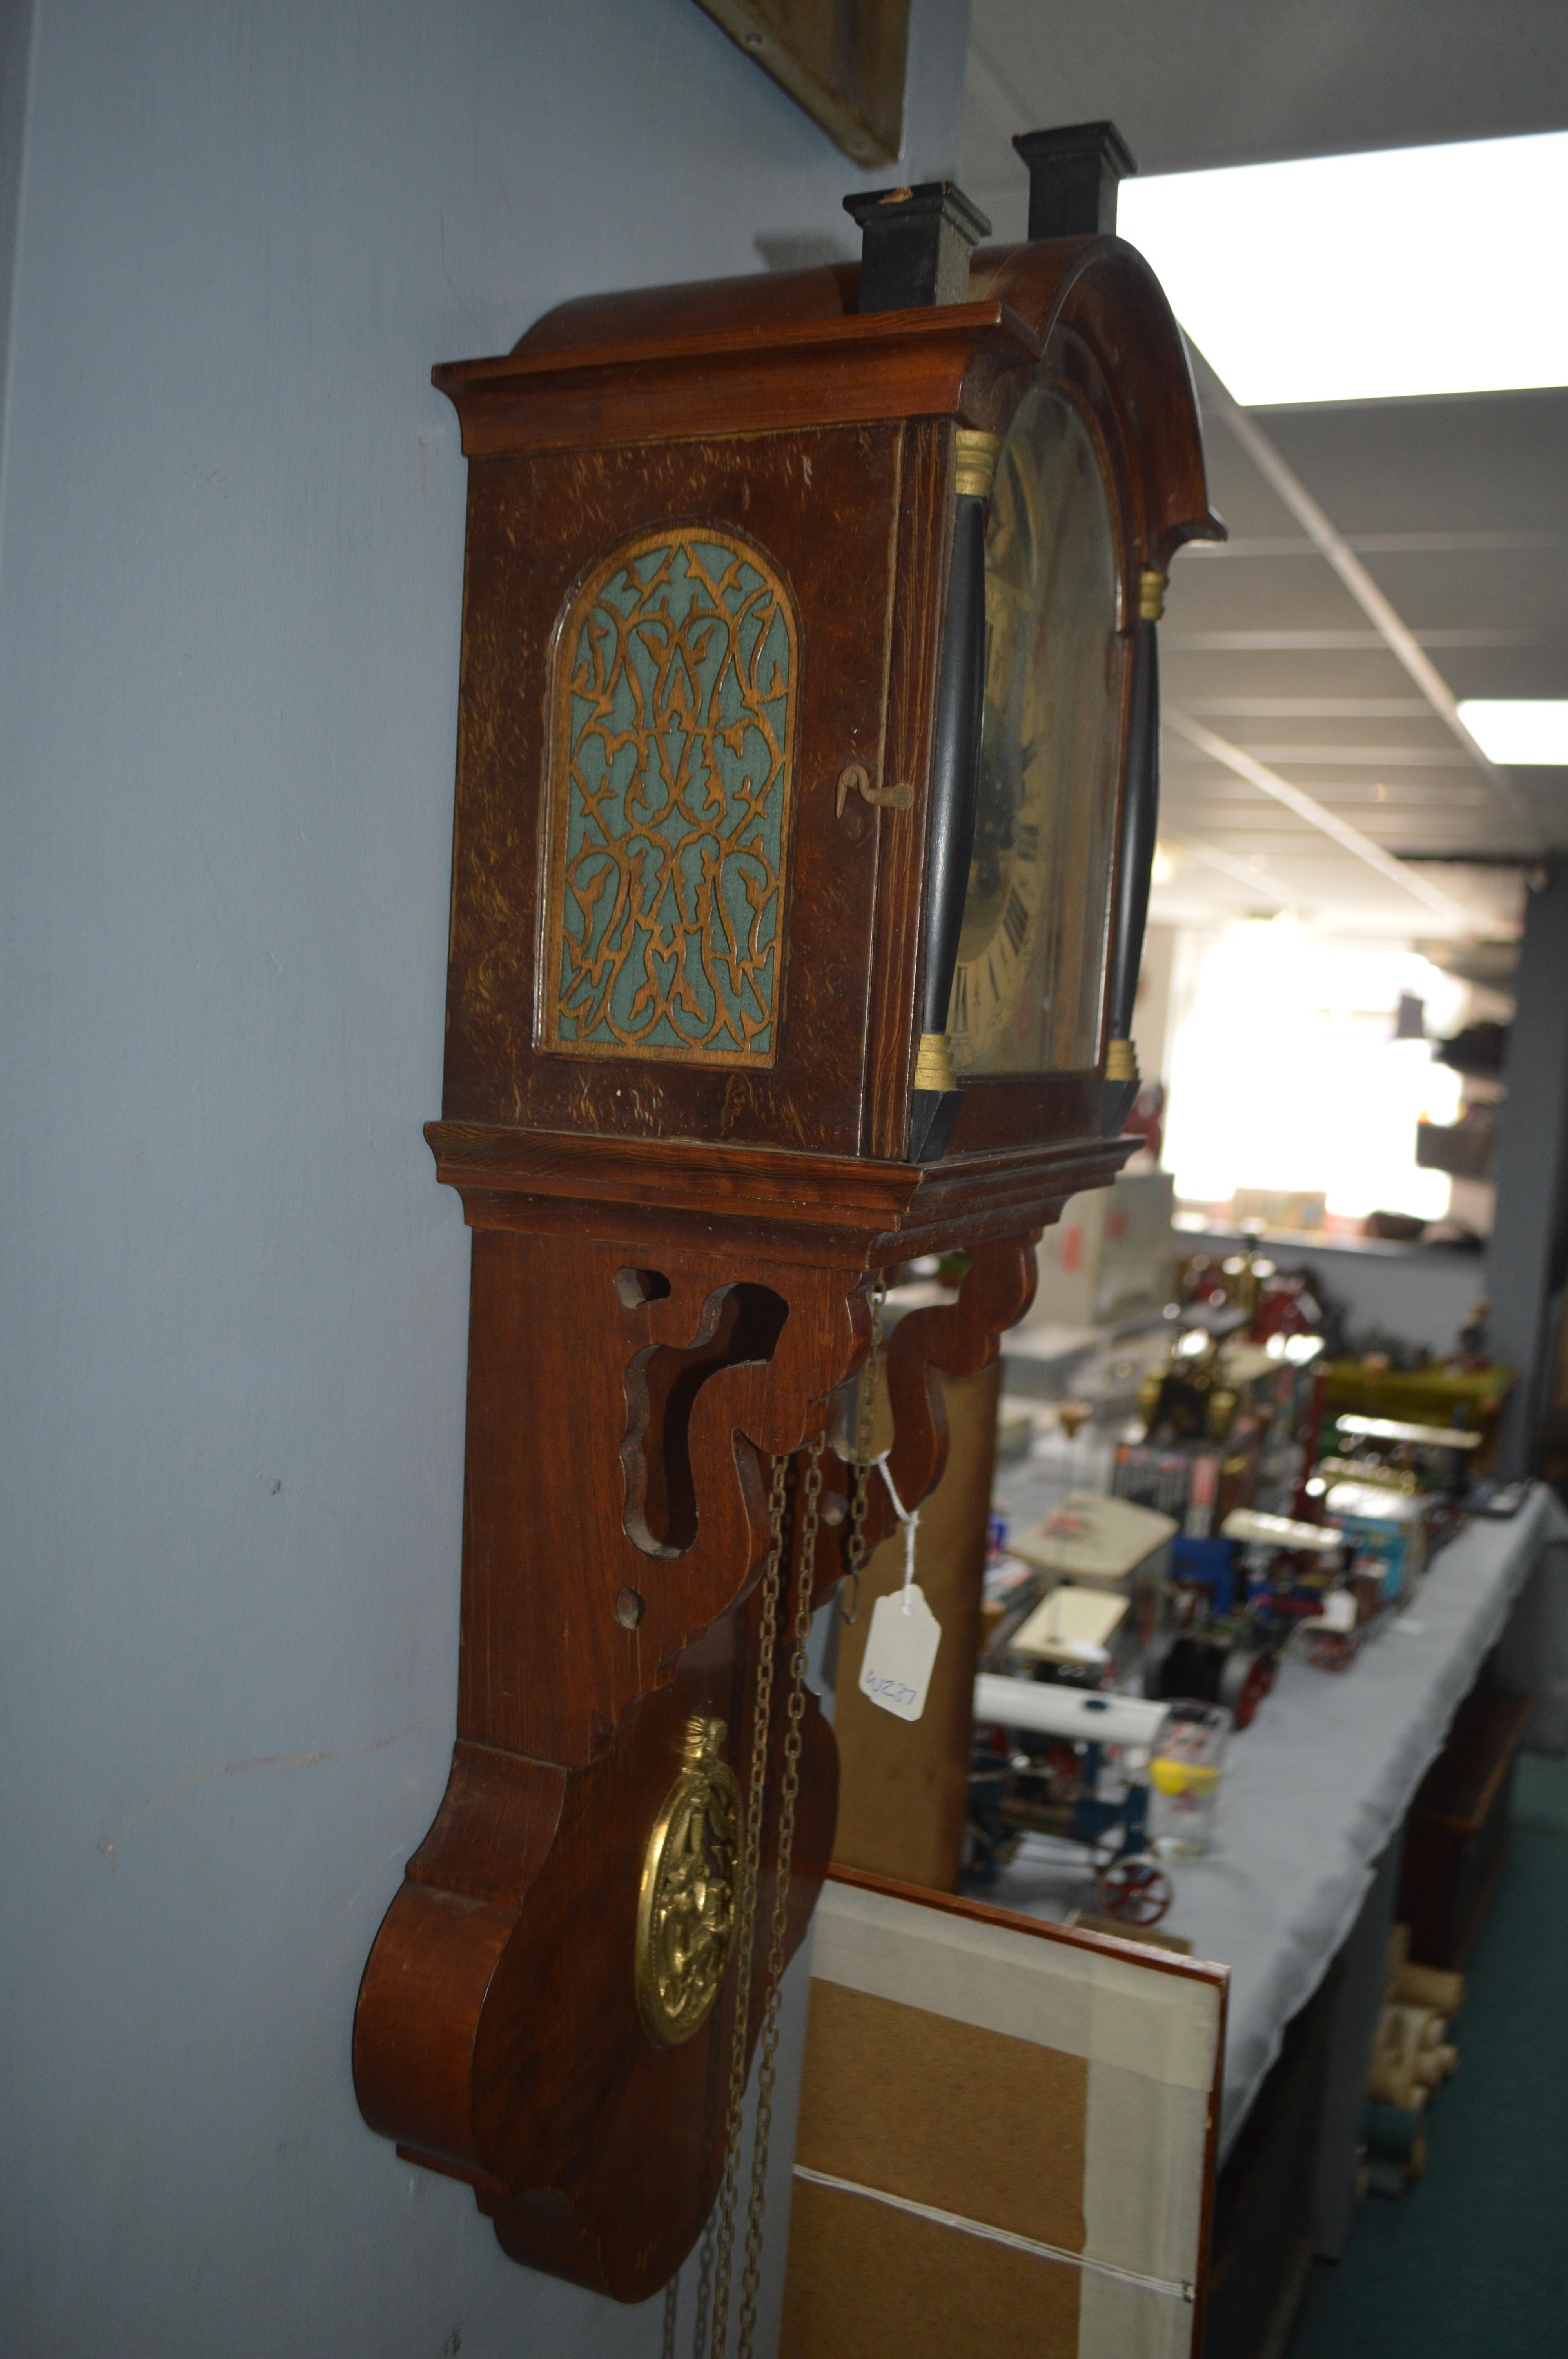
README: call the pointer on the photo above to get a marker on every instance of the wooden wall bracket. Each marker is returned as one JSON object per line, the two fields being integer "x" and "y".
{"x": 632, "y": 1364}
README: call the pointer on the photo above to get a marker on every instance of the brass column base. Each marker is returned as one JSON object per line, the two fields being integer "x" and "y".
{"x": 934, "y": 1063}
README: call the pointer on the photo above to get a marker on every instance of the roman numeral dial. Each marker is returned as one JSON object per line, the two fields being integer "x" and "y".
{"x": 1026, "y": 991}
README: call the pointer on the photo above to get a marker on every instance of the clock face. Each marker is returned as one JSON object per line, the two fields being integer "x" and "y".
{"x": 1028, "y": 987}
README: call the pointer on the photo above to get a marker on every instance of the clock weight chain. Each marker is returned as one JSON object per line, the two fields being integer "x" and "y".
{"x": 746, "y": 1896}
{"x": 746, "y": 1908}
{"x": 715, "y": 2269}
{"x": 789, "y": 1792}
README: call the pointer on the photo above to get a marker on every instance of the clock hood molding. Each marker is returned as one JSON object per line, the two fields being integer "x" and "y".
{"x": 788, "y": 349}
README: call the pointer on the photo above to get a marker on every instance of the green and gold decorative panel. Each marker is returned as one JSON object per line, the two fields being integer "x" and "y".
{"x": 673, "y": 713}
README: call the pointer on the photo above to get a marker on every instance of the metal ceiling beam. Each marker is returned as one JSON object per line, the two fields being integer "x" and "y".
{"x": 1401, "y": 641}
{"x": 1255, "y": 876}
{"x": 1378, "y": 544}
{"x": 1316, "y": 814}
{"x": 1310, "y": 708}
{"x": 1365, "y": 758}
{"x": 1247, "y": 642}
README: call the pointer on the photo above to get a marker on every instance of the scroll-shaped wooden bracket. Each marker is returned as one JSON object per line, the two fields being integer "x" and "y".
{"x": 955, "y": 1339}
{"x": 958, "y": 1340}
{"x": 646, "y": 1331}
{"x": 620, "y": 1405}
{"x": 498, "y": 2037}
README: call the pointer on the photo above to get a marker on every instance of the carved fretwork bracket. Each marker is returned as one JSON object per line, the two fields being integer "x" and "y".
{"x": 954, "y": 1340}
{"x": 634, "y": 1362}
{"x": 618, "y": 1408}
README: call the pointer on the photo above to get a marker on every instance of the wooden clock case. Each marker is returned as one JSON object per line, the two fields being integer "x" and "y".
{"x": 672, "y": 1255}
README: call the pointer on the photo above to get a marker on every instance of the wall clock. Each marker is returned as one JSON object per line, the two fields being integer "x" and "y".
{"x": 804, "y": 806}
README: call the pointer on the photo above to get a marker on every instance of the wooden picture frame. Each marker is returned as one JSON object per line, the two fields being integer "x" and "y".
{"x": 843, "y": 61}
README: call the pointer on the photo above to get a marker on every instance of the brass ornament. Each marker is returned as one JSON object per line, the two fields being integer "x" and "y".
{"x": 685, "y": 1911}
{"x": 934, "y": 1063}
{"x": 1151, "y": 595}
{"x": 1120, "y": 1061}
{"x": 976, "y": 455}
{"x": 746, "y": 1907}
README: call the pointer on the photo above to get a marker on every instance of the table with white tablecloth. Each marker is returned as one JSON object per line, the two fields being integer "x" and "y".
{"x": 1318, "y": 1786}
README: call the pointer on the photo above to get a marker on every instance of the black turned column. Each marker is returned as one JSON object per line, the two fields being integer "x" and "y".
{"x": 954, "y": 786}
{"x": 915, "y": 246}
{"x": 1135, "y": 853}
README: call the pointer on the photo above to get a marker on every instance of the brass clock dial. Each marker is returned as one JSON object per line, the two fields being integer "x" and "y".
{"x": 1026, "y": 991}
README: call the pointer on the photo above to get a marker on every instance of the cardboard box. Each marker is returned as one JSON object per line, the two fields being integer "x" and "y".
{"x": 1110, "y": 1256}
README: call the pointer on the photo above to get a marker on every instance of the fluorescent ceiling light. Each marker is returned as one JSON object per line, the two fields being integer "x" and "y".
{"x": 1517, "y": 731}
{"x": 1412, "y": 270}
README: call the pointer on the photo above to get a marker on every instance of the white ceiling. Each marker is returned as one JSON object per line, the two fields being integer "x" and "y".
{"x": 1311, "y": 749}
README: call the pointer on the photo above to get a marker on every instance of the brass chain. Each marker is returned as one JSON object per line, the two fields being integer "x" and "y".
{"x": 789, "y": 1792}
{"x": 704, "y": 2291}
{"x": 746, "y": 1901}
{"x": 866, "y": 1418}
{"x": 672, "y": 2296}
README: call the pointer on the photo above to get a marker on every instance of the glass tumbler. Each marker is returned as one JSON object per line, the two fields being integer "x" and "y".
{"x": 1185, "y": 1771}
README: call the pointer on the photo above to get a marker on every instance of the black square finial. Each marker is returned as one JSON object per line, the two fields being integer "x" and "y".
{"x": 1072, "y": 178}
{"x": 915, "y": 244}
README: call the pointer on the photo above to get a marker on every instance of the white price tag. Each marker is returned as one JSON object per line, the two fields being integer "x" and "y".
{"x": 901, "y": 1648}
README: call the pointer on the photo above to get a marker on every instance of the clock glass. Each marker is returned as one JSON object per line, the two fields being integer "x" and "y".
{"x": 1031, "y": 972}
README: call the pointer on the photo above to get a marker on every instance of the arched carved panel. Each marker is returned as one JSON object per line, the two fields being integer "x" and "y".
{"x": 672, "y": 701}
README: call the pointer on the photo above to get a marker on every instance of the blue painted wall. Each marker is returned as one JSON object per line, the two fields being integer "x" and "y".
{"x": 233, "y": 1298}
